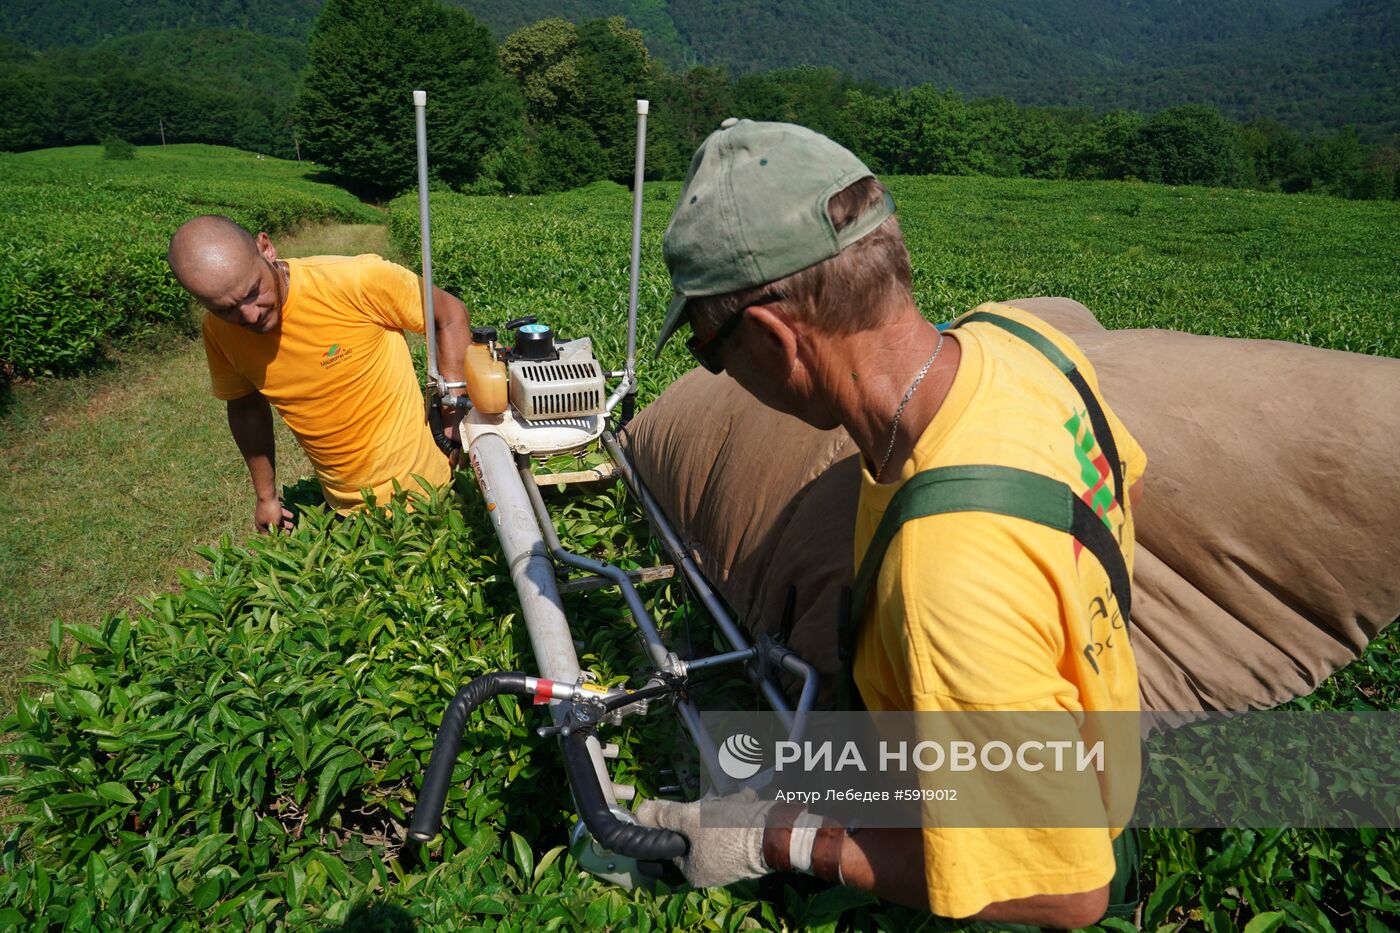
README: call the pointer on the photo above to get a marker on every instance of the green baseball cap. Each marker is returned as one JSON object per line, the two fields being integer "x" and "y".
{"x": 753, "y": 210}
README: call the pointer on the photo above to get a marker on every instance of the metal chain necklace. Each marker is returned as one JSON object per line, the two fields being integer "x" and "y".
{"x": 898, "y": 412}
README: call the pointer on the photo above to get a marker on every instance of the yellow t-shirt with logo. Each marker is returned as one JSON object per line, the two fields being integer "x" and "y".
{"x": 974, "y": 611}
{"x": 339, "y": 372}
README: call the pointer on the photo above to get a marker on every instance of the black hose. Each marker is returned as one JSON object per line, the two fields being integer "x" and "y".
{"x": 427, "y": 815}
{"x": 645, "y": 843}
{"x": 447, "y": 445}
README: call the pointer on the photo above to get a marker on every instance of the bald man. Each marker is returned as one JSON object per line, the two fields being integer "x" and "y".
{"x": 321, "y": 340}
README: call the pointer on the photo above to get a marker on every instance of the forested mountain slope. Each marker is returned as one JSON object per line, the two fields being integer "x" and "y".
{"x": 894, "y": 42}
{"x": 1338, "y": 67}
{"x": 42, "y": 24}
{"x": 1311, "y": 63}
{"x": 196, "y": 85}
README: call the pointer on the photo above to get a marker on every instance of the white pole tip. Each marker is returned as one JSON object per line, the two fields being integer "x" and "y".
{"x": 643, "y": 106}
{"x": 420, "y": 98}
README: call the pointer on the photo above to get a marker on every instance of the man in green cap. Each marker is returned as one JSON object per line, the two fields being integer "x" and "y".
{"x": 789, "y": 267}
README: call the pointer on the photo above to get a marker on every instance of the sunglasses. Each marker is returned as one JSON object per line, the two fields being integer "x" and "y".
{"x": 705, "y": 351}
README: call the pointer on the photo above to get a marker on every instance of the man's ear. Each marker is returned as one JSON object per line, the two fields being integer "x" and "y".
{"x": 265, "y": 246}
{"x": 775, "y": 332}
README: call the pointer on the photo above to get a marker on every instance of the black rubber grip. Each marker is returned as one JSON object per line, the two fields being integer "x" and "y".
{"x": 646, "y": 843}
{"x": 427, "y": 814}
{"x": 447, "y": 445}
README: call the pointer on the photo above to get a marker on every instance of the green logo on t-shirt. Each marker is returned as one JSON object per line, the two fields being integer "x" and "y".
{"x": 335, "y": 355}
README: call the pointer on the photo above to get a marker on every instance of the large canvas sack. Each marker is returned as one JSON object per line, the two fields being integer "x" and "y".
{"x": 1268, "y": 536}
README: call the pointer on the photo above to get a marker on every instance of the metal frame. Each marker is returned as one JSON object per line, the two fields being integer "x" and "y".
{"x": 534, "y": 555}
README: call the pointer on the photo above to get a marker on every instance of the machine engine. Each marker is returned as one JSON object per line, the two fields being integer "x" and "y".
{"x": 542, "y": 397}
{"x": 567, "y": 386}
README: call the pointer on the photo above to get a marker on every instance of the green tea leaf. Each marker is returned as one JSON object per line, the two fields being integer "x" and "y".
{"x": 118, "y": 793}
{"x": 1266, "y": 922}
{"x": 1164, "y": 898}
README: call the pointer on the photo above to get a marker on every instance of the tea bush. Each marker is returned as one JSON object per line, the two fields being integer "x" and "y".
{"x": 114, "y": 147}
{"x": 243, "y": 753}
{"x": 82, "y": 240}
{"x": 1310, "y": 269}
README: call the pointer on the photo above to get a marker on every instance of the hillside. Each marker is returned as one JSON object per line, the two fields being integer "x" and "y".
{"x": 195, "y": 84}
{"x": 1340, "y": 66}
{"x": 50, "y": 23}
{"x": 1315, "y": 64}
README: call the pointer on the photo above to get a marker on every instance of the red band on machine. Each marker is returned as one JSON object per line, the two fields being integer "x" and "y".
{"x": 544, "y": 691}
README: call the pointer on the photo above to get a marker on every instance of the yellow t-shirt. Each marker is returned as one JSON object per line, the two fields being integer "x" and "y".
{"x": 339, "y": 372}
{"x": 978, "y": 611}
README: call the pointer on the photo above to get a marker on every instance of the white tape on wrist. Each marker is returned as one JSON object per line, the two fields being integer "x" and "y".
{"x": 803, "y": 838}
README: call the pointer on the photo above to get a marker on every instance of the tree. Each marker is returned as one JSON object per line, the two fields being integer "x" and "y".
{"x": 759, "y": 97}
{"x": 1338, "y": 164}
{"x": 613, "y": 73}
{"x": 543, "y": 58}
{"x": 1191, "y": 145}
{"x": 1099, "y": 149}
{"x": 22, "y": 120}
{"x": 1273, "y": 156}
{"x": 355, "y": 106}
{"x": 922, "y": 131}
{"x": 580, "y": 85}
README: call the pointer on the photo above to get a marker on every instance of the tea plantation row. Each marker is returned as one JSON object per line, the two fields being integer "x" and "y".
{"x": 1309, "y": 269}
{"x": 82, "y": 239}
{"x": 243, "y": 753}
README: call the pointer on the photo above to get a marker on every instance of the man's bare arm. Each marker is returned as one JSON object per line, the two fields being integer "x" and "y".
{"x": 250, "y": 423}
{"x": 453, "y": 328}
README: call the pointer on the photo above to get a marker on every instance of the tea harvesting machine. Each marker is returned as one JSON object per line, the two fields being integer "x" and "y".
{"x": 537, "y": 397}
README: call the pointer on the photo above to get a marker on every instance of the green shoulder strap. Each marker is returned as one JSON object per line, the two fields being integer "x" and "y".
{"x": 1003, "y": 490}
{"x": 1020, "y": 494}
{"x": 979, "y": 488}
{"x": 1097, "y": 420}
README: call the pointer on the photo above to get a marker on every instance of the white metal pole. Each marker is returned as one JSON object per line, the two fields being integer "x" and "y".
{"x": 420, "y": 106}
{"x": 629, "y": 379}
{"x": 532, "y": 572}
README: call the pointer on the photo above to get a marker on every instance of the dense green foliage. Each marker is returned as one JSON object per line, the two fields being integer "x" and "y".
{"x": 83, "y": 239}
{"x": 580, "y": 87}
{"x": 192, "y": 85}
{"x": 578, "y": 84}
{"x": 355, "y": 105}
{"x": 575, "y": 86}
{"x": 1315, "y": 65}
{"x": 1228, "y": 262}
{"x": 52, "y": 23}
{"x": 114, "y": 147}
{"x": 927, "y": 131}
{"x": 1338, "y": 67}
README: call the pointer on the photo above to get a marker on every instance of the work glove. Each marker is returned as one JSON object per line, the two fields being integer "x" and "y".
{"x": 725, "y": 833}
